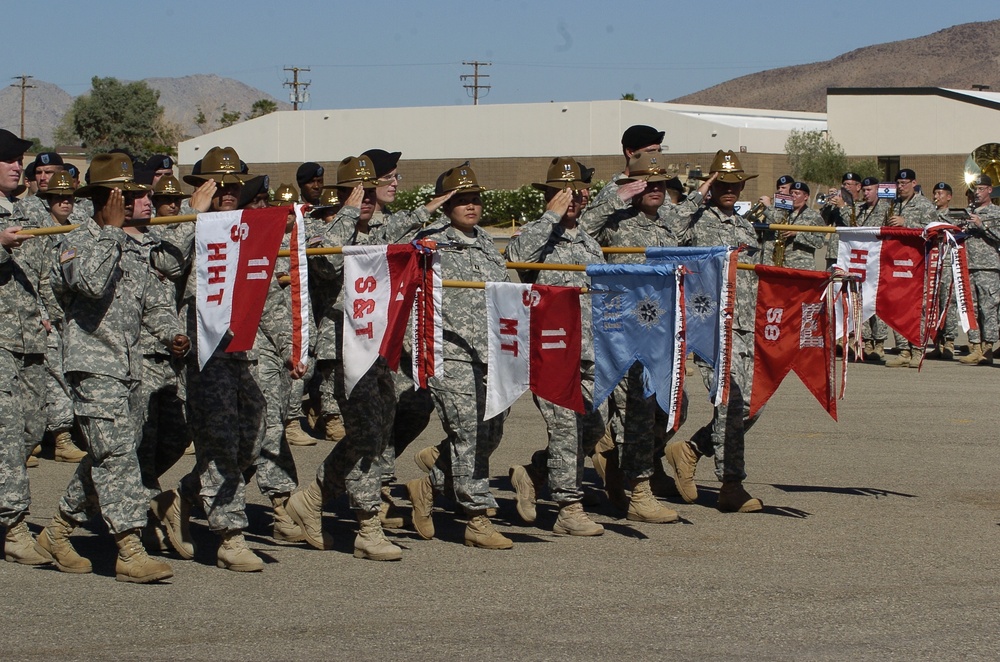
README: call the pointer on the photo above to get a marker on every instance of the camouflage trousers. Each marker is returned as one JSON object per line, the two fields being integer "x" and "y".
{"x": 986, "y": 298}
{"x": 326, "y": 387}
{"x": 638, "y": 425}
{"x": 58, "y": 403}
{"x": 413, "y": 413}
{"x": 297, "y": 390}
{"x": 874, "y": 329}
{"x": 165, "y": 433}
{"x": 353, "y": 465}
{"x": 723, "y": 437}
{"x": 226, "y": 414}
{"x": 107, "y": 413}
{"x": 571, "y": 438}
{"x": 274, "y": 465}
{"x": 34, "y": 390}
{"x": 951, "y": 326}
{"x": 15, "y": 496}
{"x": 460, "y": 399}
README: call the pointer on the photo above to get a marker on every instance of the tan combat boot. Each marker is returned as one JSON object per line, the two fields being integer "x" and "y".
{"x": 234, "y": 554}
{"x": 296, "y": 436}
{"x": 134, "y": 564}
{"x": 174, "y": 514}
{"x": 20, "y": 547}
{"x": 734, "y": 499}
{"x": 371, "y": 542}
{"x": 481, "y": 533}
{"x": 877, "y": 353}
{"x": 388, "y": 512}
{"x": 574, "y": 521}
{"x": 305, "y": 507}
{"x": 333, "y": 427}
{"x": 31, "y": 462}
{"x": 604, "y": 445}
{"x": 66, "y": 450}
{"x": 422, "y": 497}
{"x": 948, "y": 350}
{"x": 54, "y": 542}
{"x": 426, "y": 458}
{"x": 987, "y": 354}
{"x": 974, "y": 356}
{"x": 284, "y": 528}
{"x": 643, "y": 507}
{"x": 900, "y": 361}
{"x": 683, "y": 460}
{"x": 915, "y": 356}
{"x": 525, "y": 484}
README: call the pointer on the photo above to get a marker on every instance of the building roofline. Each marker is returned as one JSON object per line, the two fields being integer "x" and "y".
{"x": 954, "y": 95}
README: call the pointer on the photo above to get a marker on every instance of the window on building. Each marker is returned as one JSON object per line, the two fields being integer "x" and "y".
{"x": 889, "y": 165}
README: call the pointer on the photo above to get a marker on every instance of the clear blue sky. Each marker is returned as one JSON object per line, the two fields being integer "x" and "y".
{"x": 389, "y": 53}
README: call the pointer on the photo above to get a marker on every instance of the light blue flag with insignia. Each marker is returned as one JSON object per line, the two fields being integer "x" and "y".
{"x": 709, "y": 283}
{"x": 636, "y": 317}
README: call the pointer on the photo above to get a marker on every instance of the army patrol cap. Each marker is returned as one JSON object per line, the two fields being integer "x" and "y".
{"x": 221, "y": 164}
{"x": 356, "y": 170}
{"x": 169, "y": 187}
{"x": 459, "y": 179}
{"x": 110, "y": 171}
{"x": 800, "y": 186}
{"x": 61, "y": 183}
{"x": 563, "y": 172}
{"x": 942, "y": 186}
{"x": 641, "y": 135}
{"x": 12, "y": 147}
{"x": 284, "y": 195}
{"x": 730, "y": 170}
{"x": 783, "y": 180}
{"x": 647, "y": 167}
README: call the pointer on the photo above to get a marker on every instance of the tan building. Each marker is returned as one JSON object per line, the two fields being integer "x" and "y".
{"x": 510, "y": 145}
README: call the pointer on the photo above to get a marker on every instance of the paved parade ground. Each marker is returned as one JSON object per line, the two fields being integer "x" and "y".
{"x": 880, "y": 540}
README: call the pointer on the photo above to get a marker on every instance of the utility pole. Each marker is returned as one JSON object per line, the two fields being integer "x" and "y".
{"x": 24, "y": 86}
{"x": 475, "y": 76}
{"x": 295, "y": 96}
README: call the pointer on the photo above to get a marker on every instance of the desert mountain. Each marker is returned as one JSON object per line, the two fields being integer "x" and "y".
{"x": 46, "y": 104}
{"x": 958, "y": 57}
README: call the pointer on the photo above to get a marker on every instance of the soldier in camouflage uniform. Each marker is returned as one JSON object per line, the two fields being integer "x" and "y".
{"x": 459, "y": 388}
{"x": 635, "y": 139}
{"x": 226, "y": 408}
{"x": 841, "y": 209}
{"x": 22, "y": 344}
{"x": 984, "y": 271}
{"x": 800, "y": 247}
{"x": 944, "y": 348}
{"x": 912, "y": 210}
{"x": 556, "y": 238}
{"x": 103, "y": 279}
{"x": 353, "y": 464}
{"x": 718, "y": 224}
{"x": 644, "y": 222}
{"x": 871, "y": 213}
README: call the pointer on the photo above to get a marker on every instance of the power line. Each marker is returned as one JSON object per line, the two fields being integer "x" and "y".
{"x": 295, "y": 96}
{"x": 475, "y": 76}
{"x": 24, "y": 86}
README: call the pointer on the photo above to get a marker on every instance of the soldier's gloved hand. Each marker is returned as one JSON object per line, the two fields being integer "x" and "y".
{"x": 180, "y": 346}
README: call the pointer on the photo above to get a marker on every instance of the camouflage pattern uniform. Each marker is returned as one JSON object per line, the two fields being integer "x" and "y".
{"x": 873, "y": 329}
{"x": 165, "y": 433}
{"x": 22, "y": 345}
{"x": 636, "y": 421}
{"x": 917, "y": 212}
{"x": 572, "y": 436}
{"x": 984, "y": 271}
{"x": 104, "y": 281}
{"x": 723, "y": 437}
{"x": 951, "y": 325}
{"x": 800, "y": 250}
{"x": 459, "y": 390}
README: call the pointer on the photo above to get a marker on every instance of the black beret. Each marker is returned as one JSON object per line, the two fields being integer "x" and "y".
{"x": 784, "y": 179}
{"x": 906, "y": 173}
{"x": 641, "y": 135}
{"x": 850, "y": 177}
{"x": 800, "y": 186}
{"x": 48, "y": 158}
{"x": 159, "y": 162}
{"x": 384, "y": 162}
{"x": 870, "y": 181}
{"x": 942, "y": 186}
{"x": 984, "y": 180}
{"x": 12, "y": 147}
{"x": 308, "y": 171}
